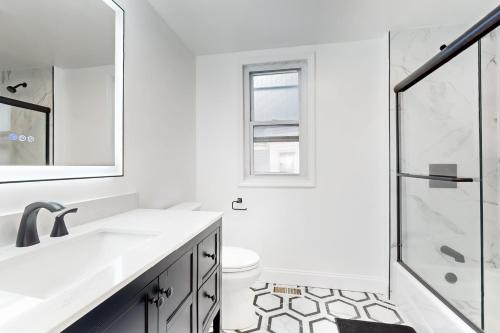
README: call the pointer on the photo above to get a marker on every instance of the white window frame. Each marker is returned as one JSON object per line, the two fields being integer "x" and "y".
{"x": 306, "y": 177}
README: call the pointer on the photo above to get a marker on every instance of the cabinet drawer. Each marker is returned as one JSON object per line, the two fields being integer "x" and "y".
{"x": 208, "y": 256}
{"x": 176, "y": 285}
{"x": 208, "y": 297}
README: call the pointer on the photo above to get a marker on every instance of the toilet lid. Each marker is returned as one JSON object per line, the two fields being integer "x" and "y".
{"x": 238, "y": 259}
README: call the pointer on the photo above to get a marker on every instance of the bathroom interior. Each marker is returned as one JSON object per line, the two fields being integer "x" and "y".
{"x": 283, "y": 166}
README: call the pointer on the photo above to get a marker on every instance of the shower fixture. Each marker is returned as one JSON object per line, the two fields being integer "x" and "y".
{"x": 13, "y": 89}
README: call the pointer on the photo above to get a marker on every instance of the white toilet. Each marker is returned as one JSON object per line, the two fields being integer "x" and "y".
{"x": 240, "y": 269}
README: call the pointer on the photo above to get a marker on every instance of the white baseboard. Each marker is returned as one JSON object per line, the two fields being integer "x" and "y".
{"x": 325, "y": 280}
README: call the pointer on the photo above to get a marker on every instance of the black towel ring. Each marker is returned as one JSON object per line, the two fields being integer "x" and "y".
{"x": 237, "y": 201}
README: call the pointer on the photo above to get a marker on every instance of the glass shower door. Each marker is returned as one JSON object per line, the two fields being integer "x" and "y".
{"x": 439, "y": 184}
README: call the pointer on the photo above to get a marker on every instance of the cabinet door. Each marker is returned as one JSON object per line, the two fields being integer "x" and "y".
{"x": 183, "y": 320}
{"x": 134, "y": 313}
{"x": 141, "y": 314}
{"x": 176, "y": 285}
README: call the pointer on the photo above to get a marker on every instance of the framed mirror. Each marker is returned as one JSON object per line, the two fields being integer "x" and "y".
{"x": 61, "y": 89}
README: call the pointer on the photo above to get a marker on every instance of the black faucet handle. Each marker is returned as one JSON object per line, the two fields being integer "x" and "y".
{"x": 63, "y": 214}
{"x": 59, "y": 228}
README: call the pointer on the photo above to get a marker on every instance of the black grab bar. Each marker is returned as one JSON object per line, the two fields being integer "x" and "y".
{"x": 438, "y": 177}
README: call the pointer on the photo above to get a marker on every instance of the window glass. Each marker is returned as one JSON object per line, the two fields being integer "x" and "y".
{"x": 276, "y": 96}
{"x": 276, "y": 150}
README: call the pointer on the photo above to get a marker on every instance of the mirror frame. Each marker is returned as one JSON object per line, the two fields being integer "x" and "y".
{"x": 17, "y": 174}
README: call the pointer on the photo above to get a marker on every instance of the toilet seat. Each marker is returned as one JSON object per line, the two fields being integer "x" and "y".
{"x": 236, "y": 260}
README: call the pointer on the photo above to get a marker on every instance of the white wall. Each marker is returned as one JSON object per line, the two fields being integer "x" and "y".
{"x": 84, "y": 115}
{"x": 159, "y": 123}
{"x": 335, "y": 234}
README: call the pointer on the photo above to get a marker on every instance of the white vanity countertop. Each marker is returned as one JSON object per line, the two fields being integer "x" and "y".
{"x": 169, "y": 231}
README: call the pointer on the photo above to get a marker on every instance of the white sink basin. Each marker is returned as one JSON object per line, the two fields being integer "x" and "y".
{"x": 38, "y": 273}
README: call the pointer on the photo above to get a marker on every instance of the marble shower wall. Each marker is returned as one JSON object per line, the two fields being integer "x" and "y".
{"x": 406, "y": 56}
{"x": 490, "y": 70}
{"x": 38, "y": 91}
{"x": 490, "y": 48}
{"x": 409, "y": 49}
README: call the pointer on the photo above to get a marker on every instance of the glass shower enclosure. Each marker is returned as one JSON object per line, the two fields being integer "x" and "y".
{"x": 448, "y": 149}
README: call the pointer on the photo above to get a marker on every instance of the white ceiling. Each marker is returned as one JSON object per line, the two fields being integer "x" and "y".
{"x": 64, "y": 33}
{"x": 216, "y": 26}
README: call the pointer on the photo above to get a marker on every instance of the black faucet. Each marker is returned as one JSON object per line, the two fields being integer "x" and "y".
{"x": 27, "y": 234}
{"x": 59, "y": 228}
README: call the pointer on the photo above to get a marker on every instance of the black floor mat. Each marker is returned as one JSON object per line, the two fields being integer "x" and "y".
{"x": 358, "y": 326}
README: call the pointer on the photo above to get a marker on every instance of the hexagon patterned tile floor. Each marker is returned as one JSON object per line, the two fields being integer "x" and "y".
{"x": 315, "y": 310}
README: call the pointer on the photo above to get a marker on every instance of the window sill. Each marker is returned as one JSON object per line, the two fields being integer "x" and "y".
{"x": 278, "y": 181}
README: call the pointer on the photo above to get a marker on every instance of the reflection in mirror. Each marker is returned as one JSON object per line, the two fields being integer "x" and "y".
{"x": 24, "y": 133}
{"x": 57, "y": 83}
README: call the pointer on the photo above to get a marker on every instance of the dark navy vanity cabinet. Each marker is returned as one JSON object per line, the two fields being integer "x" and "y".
{"x": 181, "y": 294}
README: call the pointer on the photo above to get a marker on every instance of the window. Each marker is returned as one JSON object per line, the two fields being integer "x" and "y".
{"x": 276, "y": 121}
